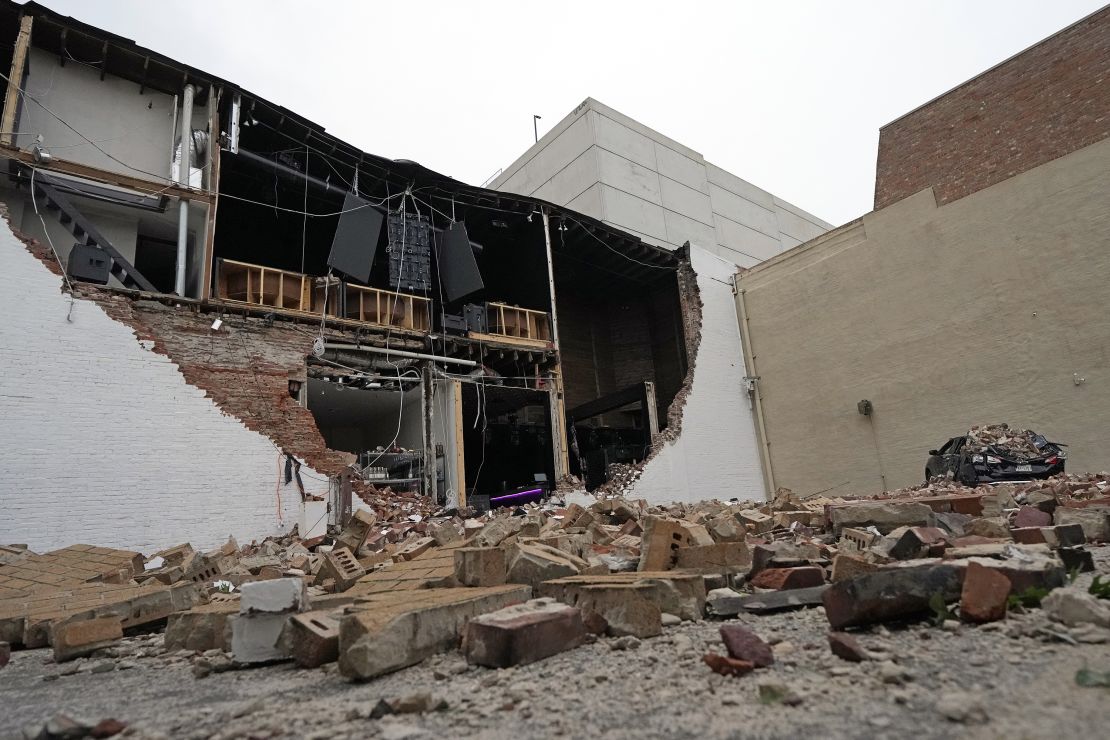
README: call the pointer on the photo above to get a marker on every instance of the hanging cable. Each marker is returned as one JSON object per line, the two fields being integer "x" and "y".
{"x": 46, "y": 231}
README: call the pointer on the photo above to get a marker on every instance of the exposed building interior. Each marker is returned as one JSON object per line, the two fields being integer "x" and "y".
{"x": 466, "y": 341}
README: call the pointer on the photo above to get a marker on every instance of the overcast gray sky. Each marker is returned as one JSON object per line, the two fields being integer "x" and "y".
{"x": 789, "y": 95}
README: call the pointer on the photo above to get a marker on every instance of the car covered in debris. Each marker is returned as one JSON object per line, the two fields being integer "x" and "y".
{"x": 996, "y": 453}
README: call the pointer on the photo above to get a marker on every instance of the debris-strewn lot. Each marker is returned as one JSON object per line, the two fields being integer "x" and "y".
{"x": 933, "y": 612}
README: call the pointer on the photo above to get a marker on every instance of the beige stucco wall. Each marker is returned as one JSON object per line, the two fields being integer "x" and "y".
{"x": 986, "y": 309}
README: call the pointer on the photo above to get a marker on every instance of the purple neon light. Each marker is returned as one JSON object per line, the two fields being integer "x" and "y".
{"x": 517, "y": 495}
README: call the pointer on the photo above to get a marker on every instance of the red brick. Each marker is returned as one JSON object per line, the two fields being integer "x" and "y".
{"x": 984, "y": 594}
{"x": 1031, "y": 516}
{"x": 743, "y": 644}
{"x": 523, "y": 634}
{"x": 75, "y": 639}
{"x": 728, "y": 666}
{"x": 846, "y": 647}
{"x": 784, "y": 579}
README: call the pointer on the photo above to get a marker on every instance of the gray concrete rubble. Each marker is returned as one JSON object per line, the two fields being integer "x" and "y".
{"x": 711, "y": 584}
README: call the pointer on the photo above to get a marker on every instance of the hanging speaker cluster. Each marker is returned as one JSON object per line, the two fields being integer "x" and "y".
{"x": 356, "y": 239}
{"x": 458, "y": 270}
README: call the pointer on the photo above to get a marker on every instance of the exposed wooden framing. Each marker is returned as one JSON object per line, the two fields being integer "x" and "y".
{"x": 460, "y": 448}
{"x": 15, "y": 77}
{"x": 110, "y": 178}
{"x": 514, "y": 341}
{"x": 429, "y": 471}
{"x": 214, "y": 189}
{"x": 559, "y": 453}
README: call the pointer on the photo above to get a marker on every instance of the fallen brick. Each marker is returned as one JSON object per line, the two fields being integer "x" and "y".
{"x": 677, "y": 593}
{"x": 846, "y": 647}
{"x": 984, "y": 594}
{"x": 890, "y": 593}
{"x": 918, "y": 542}
{"x": 727, "y": 666}
{"x": 201, "y": 628}
{"x": 532, "y": 564}
{"x": 743, "y": 644}
{"x": 75, "y": 639}
{"x": 659, "y": 543}
{"x": 480, "y": 566}
{"x": 755, "y": 521}
{"x": 722, "y": 557}
{"x": 784, "y": 579}
{"x": 1095, "y": 521}
{"x": 885, "y": 516}
{"x": 312, "y": 638}
{"x": 1064, "y": 535}
{"x": 356, "y": 530}
{"x": 850, "y": 565}
{"x": 341, "y": 567}
{"x": 620, "y": 609}
{"x": 524, "y": 633}
{"x": 1031, "y": 516}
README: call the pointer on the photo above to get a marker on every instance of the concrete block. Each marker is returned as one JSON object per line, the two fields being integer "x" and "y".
{"x": 523, "y": 633}
{"x": 275, "y": 596}
{"x": 256, "y": 637}
{"x": 74, "y": 639}
{"x": 480, "y": 566}
{"x": 756, "y": 521}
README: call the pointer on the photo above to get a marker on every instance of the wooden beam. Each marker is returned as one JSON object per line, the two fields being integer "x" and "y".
{"x": 214, "y": 188}
{"x": 460, "y": 448}
{"x": 111, "y": 178}
{"x": 429, "y": 472}
{"x": 559, "y": 452}
{"x": 15, "y": 77}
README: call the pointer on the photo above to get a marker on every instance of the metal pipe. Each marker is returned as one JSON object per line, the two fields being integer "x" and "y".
{"x": 404, "y": 354}
{"x": 749, "y": 363}
{"x": 551, "y": 279}
{"x": 183, "y": 168}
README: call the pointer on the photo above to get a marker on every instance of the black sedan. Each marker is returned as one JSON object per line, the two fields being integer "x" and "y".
{"x": 971, "y": 463}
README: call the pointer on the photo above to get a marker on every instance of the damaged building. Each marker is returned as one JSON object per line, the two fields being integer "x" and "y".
{"x": 229, "y": 321}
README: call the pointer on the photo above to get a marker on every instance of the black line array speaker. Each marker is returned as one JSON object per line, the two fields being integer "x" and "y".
{"x": 356, "y": 239}
{"x": 458, "y": 270}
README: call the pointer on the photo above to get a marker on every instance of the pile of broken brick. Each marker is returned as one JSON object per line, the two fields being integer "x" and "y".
{"x": 518, "y": 585}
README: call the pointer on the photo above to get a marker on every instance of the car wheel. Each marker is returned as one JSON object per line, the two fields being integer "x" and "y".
{"x": 928, "y": 475}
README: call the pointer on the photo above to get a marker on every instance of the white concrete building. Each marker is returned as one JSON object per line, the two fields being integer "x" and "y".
{"x": 609, "y": 166}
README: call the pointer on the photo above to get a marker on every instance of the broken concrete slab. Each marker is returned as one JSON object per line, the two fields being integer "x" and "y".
{"x": 523, "y": 633}
{"x": 893, "y": 592}
{"x": 276, "y": 596}
{"x": 388, "y": 631}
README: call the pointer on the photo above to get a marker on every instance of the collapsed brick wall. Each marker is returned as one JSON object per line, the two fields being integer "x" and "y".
{"x": 244, "y": 367}
{"x": 1046, "y": 102}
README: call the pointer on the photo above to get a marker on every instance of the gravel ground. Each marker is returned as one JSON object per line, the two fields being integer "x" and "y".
{"x": 1014, "y": 679}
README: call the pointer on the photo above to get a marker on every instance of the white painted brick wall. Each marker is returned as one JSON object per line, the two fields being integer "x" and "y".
{"x": 717, "y": 453}
{"x": 103, "y": 442}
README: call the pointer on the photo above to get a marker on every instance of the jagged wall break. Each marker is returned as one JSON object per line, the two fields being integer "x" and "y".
{"x": 106, "y": 440}
{"x": 709, "y": 449}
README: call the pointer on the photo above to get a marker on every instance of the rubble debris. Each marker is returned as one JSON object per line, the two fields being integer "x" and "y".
{"x": 1094, "y": 520}
{"x": 773, "y": 601}
{"x": 5, "y": 654}
{"x": 1073, "y": 606}
{"x": 523, "y": 633}
{"x": 1019, "y": 445}
{"x": 480, "y": 566}
{"x": 723, "y": 602}
{"x": 885, "y": 516}
{"x": 785, "y": 579}
{"x": 312, "y": 638}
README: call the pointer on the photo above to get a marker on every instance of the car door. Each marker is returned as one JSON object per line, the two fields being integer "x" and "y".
{"x": 951, "y": 455}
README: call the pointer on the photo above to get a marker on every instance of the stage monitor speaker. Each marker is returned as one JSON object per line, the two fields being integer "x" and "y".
{"x": 356, "y": 239}
{"x": 458, "y": 270}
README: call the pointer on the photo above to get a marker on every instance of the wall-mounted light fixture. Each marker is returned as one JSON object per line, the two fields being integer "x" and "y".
{"x": 865, "y": 407}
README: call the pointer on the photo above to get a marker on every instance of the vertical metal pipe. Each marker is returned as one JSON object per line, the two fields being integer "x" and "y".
{"x": 749, "y": 363}
{"x": 186, "y": 129}
{"x": 551, "y": 279}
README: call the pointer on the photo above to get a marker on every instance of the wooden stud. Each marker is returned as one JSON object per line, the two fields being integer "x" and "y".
{"x": 460, "y": 451}
{"x": 15, "y": 77}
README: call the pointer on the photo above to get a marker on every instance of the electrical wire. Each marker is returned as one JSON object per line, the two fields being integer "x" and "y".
{"x": 46, "y": 231}
{"x": 297, "y": 212}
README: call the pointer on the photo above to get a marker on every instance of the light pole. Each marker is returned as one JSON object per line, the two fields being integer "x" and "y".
{"x": 535, "y": 128}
